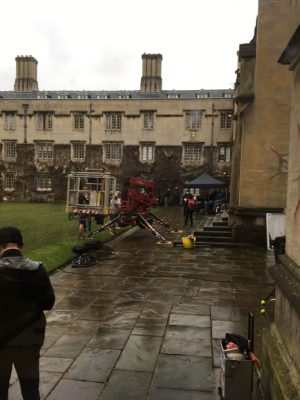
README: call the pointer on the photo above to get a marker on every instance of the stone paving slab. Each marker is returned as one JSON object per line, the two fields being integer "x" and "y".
{"x": 140, "y": 353}
{"x": 187, "y": 340}
{"x": 68, "y": 346}
{"x": 127, "y": 385}
{"x": 173, "y": 394}
{"x": 184, "y": 372}
{"x": 68, "y": 389}
{"x": 93, "y": 365}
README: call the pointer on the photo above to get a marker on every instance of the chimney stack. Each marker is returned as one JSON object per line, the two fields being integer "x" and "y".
{"x": 26, "y": 74}
{"x": 151, "y": 81}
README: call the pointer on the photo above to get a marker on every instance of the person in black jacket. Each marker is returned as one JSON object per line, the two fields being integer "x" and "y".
{"x": 25, "y": 292}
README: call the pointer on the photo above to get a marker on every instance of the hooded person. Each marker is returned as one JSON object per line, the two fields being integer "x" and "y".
{"x": 25, "y": 292}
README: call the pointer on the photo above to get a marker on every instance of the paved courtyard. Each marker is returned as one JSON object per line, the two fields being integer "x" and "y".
{"x": 145, "y": 322}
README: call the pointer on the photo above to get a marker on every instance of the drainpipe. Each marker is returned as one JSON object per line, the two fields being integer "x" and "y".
{"x": 212, "y": 138}
{"x": 90, "y": 131}
{"x": 25, "y": 109}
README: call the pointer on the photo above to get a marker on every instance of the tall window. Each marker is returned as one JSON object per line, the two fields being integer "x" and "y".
{"x": 113, "y": 121}
{"x": 226, "y": 120}
{"x": 193, "y": 120}
{"x": 147, "y": 152}
{"x": 192, "y": 152}
{"x": 44, "y": 121}
{"x": 224, "y": 153}
{"x": 9, "y": 181}
{"x": 78, "y": 151}
{"x": 44, "y": 150}
{"x": 43, "y": 182}
{"x": 79, "y": 121}
{"x": 9, "y": 149}
{"x": 113, "y": 151}
{"x": 148, "y": 120}
{"x": 10, "y": 120}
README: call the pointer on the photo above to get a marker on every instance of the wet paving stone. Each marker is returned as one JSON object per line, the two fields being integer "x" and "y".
{"x": 187, "y": 340}
{"x": 109, "y": 338}
{"x": 182, "y": 372}
{"x": 68, "y": 346}
{"x": 121, "y": 320}
{"x": 55, "y": 364}
{"x": 68, "y": 389}
{"x": 93, "y": 365}
{"x": 164, "y": 298}
{"x": 127, "y": 385}
{"x": 62, "y": 318}
{"x": 173, "y": 394}
{"x": 140, "y": 353}
{"x": 219, "y": 328}
{"x": 156, "y": 310}
{"x": 223, "y": 313}
{"x": 190, "y": 320}
{"x": 150, "y": 327}
{"x": 196, "y": 309}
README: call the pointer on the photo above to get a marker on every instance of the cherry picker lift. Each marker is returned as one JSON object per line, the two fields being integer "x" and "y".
{"x": 89, "y": 194}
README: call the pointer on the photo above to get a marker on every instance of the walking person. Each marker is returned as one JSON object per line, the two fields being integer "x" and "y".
{"x": 167, "y": 197}
{"x": 25, "y": 292}
{"x": 115, "y": 209}
{"x": 190, "y": 208}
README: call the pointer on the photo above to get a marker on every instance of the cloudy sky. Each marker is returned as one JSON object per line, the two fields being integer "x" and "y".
{"x": 98, "y": 44}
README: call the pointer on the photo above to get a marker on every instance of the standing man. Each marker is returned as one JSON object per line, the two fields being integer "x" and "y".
{"x": 25, "y": 292}
{"x": 115, "y": 209}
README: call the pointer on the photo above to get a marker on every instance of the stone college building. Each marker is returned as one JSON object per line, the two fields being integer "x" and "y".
{"x": 169, "y": 136}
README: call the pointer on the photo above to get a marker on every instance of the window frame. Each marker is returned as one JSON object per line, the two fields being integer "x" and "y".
{"x": 10, "y": 120}
{"x": 147, "y": 149}
{"x": 110, "y": 149}
{"x": 148, "y": 117}
{"x": 9, "y": 181}
{"x": 113, "y": 120}
{"x": 193, "y": 120}
{"x": 224, "y": 152}
{"x": 187, "y": 152}
{"x": 9, "y": 146}
{"x": 226, "y": 119}
{"x": 82, "y": 151}
{"x": 78, "y": 121}
{"x": 40, "y": 153}
{"x": 43, "y": 182}
{"x": 44, "y": 121}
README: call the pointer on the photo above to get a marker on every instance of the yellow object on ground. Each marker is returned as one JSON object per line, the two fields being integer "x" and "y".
{"x": 188, "y": 241}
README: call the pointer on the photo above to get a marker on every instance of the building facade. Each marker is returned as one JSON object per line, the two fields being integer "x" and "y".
{"x": 168, "y": 136}
{"x": 266, "y": 176}
{"x": 281, "y": 342}
{"x": 261, "y": 134}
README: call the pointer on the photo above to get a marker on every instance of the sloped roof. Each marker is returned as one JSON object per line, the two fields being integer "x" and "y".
{"x": 205, "y": 181}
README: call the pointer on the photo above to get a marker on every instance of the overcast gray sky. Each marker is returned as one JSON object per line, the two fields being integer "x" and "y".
{"x": 98, "y": 44}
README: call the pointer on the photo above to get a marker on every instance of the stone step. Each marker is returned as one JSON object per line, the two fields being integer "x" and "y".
{"x": 178, "y": 243}
{"x": 217, "y": 228}
{"x": 213, "y": 238}
{"x": 220, "y": 223}
{"x": 216, "y": 232}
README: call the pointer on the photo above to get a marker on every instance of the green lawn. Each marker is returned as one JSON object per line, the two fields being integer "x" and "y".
{"x": 48, "y": 234}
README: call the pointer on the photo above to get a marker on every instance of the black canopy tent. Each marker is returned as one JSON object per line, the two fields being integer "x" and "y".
{"x": 206, "y": 181}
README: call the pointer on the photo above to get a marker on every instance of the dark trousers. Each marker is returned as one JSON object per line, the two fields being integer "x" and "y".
{"x": 188, "y": 216}
{"x": 26, "y": 362}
